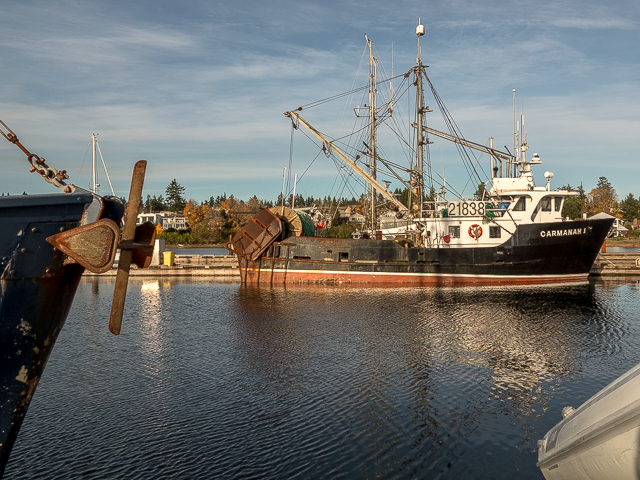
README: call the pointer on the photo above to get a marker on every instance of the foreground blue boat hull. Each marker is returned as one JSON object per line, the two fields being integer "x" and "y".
{"x": 38, "y": 284}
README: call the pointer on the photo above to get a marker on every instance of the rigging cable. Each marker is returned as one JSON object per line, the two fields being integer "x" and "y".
{"x": 455, "y": 131}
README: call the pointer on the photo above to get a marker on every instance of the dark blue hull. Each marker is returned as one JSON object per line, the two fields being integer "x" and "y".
{"x": 38, "y": 285}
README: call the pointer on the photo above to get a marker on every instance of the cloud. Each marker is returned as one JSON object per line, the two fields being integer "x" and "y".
{"x": 199, "y": 89}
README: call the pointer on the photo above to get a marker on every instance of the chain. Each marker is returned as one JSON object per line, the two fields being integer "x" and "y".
{"x": 38, "y": 164}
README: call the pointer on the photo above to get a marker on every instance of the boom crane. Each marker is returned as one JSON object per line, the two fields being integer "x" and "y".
{"x": 345, "y": 158}
{"x": 476, "y": 146}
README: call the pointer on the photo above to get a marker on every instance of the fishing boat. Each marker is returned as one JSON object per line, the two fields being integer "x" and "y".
{"x": 598, "y": 440}
{"x": 46, "y": 243}
{"x": 512, "y": 231}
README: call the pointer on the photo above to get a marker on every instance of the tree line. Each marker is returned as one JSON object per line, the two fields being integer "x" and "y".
{"x": 214, "y": 220}
{"x": 603, "y": 198}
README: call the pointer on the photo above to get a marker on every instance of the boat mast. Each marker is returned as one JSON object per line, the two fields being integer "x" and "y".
{"x": 512, "y": 170}
{"x": 94, "y": 176}
{"x": 419, "y": 69}
{"x": 373, "y": 93}
{"x": 96, "y": 148}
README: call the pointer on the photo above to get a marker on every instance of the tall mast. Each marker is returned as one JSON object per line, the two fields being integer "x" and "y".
{"x": 94, "y": 176}
{"x": 373, "y": 93}
{"x": 420, "y": 112}
{"x": 512, "y": 170}
{"x": 94, "y": 181}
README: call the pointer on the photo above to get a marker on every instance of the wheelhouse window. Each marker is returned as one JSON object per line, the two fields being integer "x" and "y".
{"x": 557, "y": 204}
{"x": 520, "y": 205}
{"x": 454, "y": 231}
{"x": 545, "y": 204}
{"x": 495, "y": 232}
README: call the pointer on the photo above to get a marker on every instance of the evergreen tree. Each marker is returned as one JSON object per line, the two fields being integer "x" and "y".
{"x": 156, "y": 204}
{"x": 630, "y": 208}
{"x": 603, "y": 197}
{"x": 175, "y": 199}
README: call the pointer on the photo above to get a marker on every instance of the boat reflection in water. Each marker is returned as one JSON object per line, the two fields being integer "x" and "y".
{"x": 322, "y": 382}
{"x": 453, "y": 363}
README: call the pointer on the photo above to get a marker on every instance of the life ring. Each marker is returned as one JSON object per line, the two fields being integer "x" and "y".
{"x": 475, "y": 231}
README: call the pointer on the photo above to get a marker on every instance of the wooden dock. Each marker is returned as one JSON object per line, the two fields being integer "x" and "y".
{"x": 626, "y": 264}
{"x": 221, "y": 266}
{"x": 622, "y": 264}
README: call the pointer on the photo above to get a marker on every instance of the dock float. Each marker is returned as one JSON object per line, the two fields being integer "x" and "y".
{"x": 623, "y": 264}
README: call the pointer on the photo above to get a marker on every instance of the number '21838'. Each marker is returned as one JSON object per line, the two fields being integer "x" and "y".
{"x": 465, "y": 209}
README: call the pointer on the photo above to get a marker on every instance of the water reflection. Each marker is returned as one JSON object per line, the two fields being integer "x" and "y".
{"x": 215, "y": 380}
{"x": 440, "y": 360}
{"x": 151, "y": 319}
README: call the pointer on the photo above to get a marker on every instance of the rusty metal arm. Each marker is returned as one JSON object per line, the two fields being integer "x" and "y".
{"x": 128, "y": 238}
{"x": 354, "y": 166}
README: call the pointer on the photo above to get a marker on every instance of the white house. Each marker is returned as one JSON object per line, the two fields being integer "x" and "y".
{"x": 154, "y": 218}
{"x": 179, "y": 222}
{"x": 166, "y": 219}
{"x": 618, "y": 229}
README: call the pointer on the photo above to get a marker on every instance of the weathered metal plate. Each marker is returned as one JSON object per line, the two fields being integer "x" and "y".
{"x": 93, "y": 246}
{"x": 260, "y": 232}
{"x": 145, "y": 235}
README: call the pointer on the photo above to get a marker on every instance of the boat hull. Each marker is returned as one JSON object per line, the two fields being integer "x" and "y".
{"x": 598, "y": 440}
{"x": 38, "y": 284}
{"x": 535, "y": 254}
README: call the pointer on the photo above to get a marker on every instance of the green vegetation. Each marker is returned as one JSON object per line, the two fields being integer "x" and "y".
{"x": 215, "y": 220}
{"x": 344, "y": 230}
{"x": 175, "y": 201}
{"x": 175, "y": 237}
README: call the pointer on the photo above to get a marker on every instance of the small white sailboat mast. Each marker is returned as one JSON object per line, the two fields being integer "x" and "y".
{"x": 95, "y": 148}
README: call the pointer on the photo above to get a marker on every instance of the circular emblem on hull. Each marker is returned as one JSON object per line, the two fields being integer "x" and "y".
{"x": 475, "y": 231}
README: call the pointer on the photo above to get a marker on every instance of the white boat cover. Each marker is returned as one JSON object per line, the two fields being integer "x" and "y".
{"x": 600, "y": 439}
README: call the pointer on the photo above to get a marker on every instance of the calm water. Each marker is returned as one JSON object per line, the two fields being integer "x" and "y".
{"x": 213, "y": 380}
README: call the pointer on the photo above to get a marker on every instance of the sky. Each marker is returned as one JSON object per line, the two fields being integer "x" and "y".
{"x": 198, "y": 88}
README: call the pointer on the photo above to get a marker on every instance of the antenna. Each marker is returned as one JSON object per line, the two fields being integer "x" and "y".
{"x": 391, "y": 84}
{"x": 419, "y": 33}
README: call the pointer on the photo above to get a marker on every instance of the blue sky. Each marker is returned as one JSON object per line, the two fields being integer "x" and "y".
{"x": 199, "y": 88}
